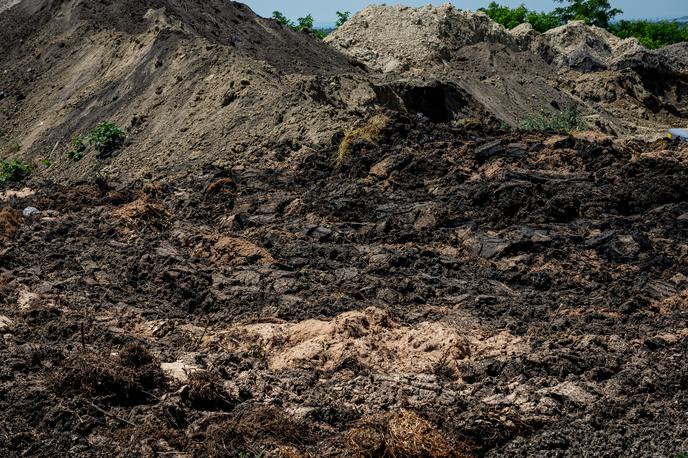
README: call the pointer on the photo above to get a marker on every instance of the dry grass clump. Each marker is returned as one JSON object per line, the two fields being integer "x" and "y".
{"x": 153, "y": 438}
{"x": 221, "y": 186}
{"x": 206, "y": 392}
{"x": 143, "y": 212}
{"x": 123, "y": 380}
{"x": 370, "y": 132}
{"x": 252, "y": 429}
{"x": 396, "y": 435}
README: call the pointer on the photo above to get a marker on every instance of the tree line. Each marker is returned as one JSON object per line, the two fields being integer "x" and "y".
{"x": 306, "y": 23}
{"x": 599, "y": 13}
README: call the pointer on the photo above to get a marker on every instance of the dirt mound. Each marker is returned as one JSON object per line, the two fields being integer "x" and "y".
{"x": 518, "y": 74}
{"x": 315, "y": 275}
{"x": 589, "y": 48}
{"x": 192, "y": 83}
{"x": 403, "y": 39}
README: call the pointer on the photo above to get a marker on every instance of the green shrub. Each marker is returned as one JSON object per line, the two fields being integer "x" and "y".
{"x": 78, "y": 149}
{"x": 106, "y": 138}
{"x": 14, "y": 171}
{"x": 565, "y": 121}
{"x": 593, "y": 12}
{"x": 651, "y": 34}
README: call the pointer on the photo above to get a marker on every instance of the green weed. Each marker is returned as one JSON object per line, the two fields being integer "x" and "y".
{"x": 565, "y": 121}
{"x": 78, "y": 149}
{"x": 106, "y": 138}
{"x": 14, "y": 171}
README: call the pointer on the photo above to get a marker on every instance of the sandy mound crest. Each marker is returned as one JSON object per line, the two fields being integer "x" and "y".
{"x": 399, "y": 38}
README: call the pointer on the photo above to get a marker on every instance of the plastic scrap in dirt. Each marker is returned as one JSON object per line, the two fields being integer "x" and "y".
{"x": 5, "y": 323}
{"x": 30, "y": 212}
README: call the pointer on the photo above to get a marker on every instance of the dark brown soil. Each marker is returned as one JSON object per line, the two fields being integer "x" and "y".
{"x": 573, "y": 250}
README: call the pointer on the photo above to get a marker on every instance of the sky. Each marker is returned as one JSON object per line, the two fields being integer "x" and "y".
{"x": 323, "y": 11}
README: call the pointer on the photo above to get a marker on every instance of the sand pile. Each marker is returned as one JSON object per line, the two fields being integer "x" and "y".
{"x": 589, "y": 48}
{"x": 402, "y": 39}
{"x": 516, "y": 74}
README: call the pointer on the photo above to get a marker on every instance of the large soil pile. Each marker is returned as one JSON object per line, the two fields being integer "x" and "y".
{"x": 193, "y": 82}
{"x": 293, "y": 256}
{"x": 622, "y": 87}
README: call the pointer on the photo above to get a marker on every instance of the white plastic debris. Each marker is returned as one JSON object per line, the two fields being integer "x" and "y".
{"x": 30, "y": 211}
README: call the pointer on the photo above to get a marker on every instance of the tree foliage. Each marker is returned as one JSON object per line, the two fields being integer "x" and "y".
{"x": 512, "y": 17}
{"x": 594, "y": 12}
{"x": 282, "y": 19}
{"x": 342, "y": 17}
{"x": 302, "y": 23}
{"x": 651, "y": 34}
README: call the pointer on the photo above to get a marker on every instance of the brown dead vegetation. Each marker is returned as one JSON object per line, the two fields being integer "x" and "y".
{"x": 206, "y": 392}
{"x": 369, "y": 133}
{"x": 126, "y": 379}
{"x": 396, "y": 435}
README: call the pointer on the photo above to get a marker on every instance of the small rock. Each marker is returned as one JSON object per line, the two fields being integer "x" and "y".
{"x": 571, "y": 392}
{"x": 488, "y": 150}
{"x": 30, "y": 211}
{"x": 486, "y": 247}
{"x": 390, "y": 164}
{"x": 179, "y": 370}
{"x": 5, "y": 323}
{"x": 319, "y": 233}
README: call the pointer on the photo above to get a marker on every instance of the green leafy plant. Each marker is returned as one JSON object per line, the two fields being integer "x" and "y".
{"x": 652, "y": 34}
{"x": 342, "y": 17}
{"x": 565, "y": 121}
{"x": 14, "y": 170}
{"x": 305, "y": 22}
{"x": 78, "y": 149}
{"x": 106, "y": 138}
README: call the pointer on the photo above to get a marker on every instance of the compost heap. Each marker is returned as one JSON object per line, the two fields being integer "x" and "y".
{"x": 292, "y": 255}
